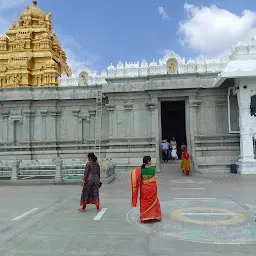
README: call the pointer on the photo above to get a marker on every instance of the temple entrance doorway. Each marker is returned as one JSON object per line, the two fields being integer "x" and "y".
{"x": 173, "y": 122}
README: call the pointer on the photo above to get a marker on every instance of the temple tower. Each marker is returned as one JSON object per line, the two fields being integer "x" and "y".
{"x": 30, "y": 53}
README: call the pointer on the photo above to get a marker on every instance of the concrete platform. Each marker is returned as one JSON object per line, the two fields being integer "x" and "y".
{"x": 201, "y": 216}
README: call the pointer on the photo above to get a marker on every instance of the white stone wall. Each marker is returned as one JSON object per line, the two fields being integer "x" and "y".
{"x": 213, "y": 112}
{"x": 60, "y": 122}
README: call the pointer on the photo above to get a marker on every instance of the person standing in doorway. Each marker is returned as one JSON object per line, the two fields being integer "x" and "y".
{"x": 143, "y": 180}
{"x": 173, "y": 142}
{"x": 91, "y": 182}
{"x": 165, "y": 151}
{"x": 185, "y": 163}
{"x": 181, "y": 149}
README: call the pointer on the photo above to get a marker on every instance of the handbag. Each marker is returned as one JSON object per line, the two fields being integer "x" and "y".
{"x": 100, "y": 184}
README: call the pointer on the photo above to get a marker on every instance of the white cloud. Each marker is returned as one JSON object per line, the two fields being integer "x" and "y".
{"x": 212, "y": 31}
{"x": 163, "y": 14}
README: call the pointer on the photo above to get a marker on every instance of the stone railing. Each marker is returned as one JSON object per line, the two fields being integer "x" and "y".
{"x": 73, "y": 170}
{"x": 58, "y": 171}
{"x": 107, "y": 168}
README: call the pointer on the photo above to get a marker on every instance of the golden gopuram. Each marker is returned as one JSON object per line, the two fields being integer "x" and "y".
{"x": 30, "y": 53}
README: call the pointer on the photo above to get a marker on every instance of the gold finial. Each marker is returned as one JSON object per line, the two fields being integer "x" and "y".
{"x": 35, "y": 2}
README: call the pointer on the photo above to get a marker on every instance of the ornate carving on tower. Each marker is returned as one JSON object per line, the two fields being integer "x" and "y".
{"x": 30, "y": 53}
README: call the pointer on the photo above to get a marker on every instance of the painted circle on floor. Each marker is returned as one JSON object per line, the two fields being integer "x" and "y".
{"x": 204, "y": 221}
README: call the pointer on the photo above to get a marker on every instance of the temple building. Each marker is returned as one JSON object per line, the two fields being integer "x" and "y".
{"x": 125, "y": 112}
{"x": 30, "y": 53}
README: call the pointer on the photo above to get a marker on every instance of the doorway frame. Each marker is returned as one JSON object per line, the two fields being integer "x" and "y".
{"x": 187, "y": 121}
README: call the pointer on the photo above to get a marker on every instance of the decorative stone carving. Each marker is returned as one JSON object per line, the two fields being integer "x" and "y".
{"x": 110, "y": 107}
{"x": 5, "y": 113}
{"x": 28, "y": 113}
{"x": 92, "y": 112}
{"x": 220, "y": 102}
{"x": 76, "y": 111}
{"x": 44, "y": 112}
{"x": 55, "y": 112}
{"x": 195, "y": 103}
{"x": 15, "y": 118}
{"x": 150, "y": 106}
{"x": 128, "y": 106}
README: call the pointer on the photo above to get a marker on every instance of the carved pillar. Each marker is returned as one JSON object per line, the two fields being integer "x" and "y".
{"x": 152, "y": 124}
{"x": 110, "y": 109}
{"x": 92, "y": 113}
{"x": 129, "y": 120}
{"x": 12, "y": 134}
{"x": 15, "y": 170}
{"x": 27, "y": 125}
{"x": 44, "y": 113}
{"x": 246, "y": 143}
{"x": 156, "y": 119}
{"x": 5, "y": 115}
{"x": 80, "y": 129}
{"x": 220, "y": 121}
{"x": 16, "y": 136}
{"x": 85, "y": 129}
{"x": 58, "y": 124}
{"x": 55, "y": 115}
{"x": 193, "y": 107}
{"x": 76, "y": 130}
{"x": 58, "y": 174}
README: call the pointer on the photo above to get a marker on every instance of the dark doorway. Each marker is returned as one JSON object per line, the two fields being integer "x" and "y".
{"x": 173, "y": 120}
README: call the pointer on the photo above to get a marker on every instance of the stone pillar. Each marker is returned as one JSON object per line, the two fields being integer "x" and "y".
{"x": 15, "y": 169}
{"x": 5, "y": 115}
{"x": 156, "y": 124}
{"x": 26, "y": 125}
{"x": 80, "y": 129}
{"x": 58, "y": 174}
{"x": 110, "y": 109}
{"x": 129, "y": 122}
{"x": 193, "y": 107}
{"x": 44, "y": 113}
{"x": 220, "y": 121}
{"x": 151, "y": 124}
{"x": 55, "y": 114}
{"x": 92, "y": 113}
{"x": 247, "y": 163}
{"x": 85, "y": 129}
{"x": 76, "y": 129}
{"x": 12, "y": 130}
{"x": 58, "y": 125}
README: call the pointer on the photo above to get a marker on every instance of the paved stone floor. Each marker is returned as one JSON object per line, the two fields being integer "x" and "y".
{"x": 201, "y": 216}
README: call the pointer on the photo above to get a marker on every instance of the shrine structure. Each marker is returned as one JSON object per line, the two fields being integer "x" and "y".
{"x": 30, "y": 53}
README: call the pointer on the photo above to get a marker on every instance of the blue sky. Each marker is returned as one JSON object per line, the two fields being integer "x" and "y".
{"x": 97, "y": 33}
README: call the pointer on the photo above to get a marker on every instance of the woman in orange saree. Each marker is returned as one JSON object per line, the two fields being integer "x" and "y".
{"x": 143, "y": 181}
{"x": 185, "y": 163}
